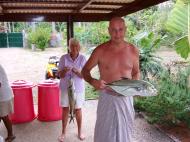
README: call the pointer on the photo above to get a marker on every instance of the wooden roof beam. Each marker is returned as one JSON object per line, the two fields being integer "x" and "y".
{"x": 134, "y": 6}
{"x": 38, "y": 8}
{"x": 59, "y": 17}
{"x": 36, "y": 11}
{"x": 1, "y": 9}
{"x": 6, "y": 9}
{"x": 108, "y": 3}
{"x": 39, "y": 4}
{"x": 43, "y": 1}
{"x": 81, "y": 8}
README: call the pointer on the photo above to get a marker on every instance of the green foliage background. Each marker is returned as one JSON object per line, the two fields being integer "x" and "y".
{"x": 171, "y": 106}
{"x": 91, "y": 34}
{"x": 40, "y": 36}
{"x": 147, "y": 29}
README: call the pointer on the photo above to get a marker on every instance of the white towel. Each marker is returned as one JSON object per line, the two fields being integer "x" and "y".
{"x": 115, "y": 118}
{"x": 5, "y": 89}
{"x": 1, "y": 139}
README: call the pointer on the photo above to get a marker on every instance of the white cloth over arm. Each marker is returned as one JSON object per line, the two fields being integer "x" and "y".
{"x": 5, "y": 89}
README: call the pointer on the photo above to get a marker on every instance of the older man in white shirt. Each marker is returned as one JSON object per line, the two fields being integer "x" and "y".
{"x": 70, "y": 66}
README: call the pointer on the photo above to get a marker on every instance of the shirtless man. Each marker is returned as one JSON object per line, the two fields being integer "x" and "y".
{"x": 115, "y": 59}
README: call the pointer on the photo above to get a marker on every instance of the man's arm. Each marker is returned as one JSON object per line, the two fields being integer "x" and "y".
{"x": 91, "y": 63}
{"x": 61, "y": 73}
{"x": 62, "y": 69}
{"x": 136, "y": 69}
{"x": 77, "y": 72}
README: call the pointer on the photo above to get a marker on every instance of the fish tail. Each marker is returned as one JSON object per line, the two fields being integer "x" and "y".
{"x": 71, "y": 119}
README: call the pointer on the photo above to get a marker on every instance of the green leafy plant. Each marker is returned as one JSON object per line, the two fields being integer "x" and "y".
{"x": 171, "y": 106}
{"x": 149, "y": 63}
{"x": 182, "y": 46}
{"x": 40, "y": 37}
{"x": 92, "y": 33}
{"x": 90, "y": 92}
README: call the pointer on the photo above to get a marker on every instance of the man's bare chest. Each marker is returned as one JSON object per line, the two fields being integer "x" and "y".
{"x": 117, "y": 61}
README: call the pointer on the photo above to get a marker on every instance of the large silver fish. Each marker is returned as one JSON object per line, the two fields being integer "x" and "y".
{"x": 72, "y": 100}
{"x": 128, "y": 87}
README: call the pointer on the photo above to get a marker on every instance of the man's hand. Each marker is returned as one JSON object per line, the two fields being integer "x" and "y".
{"x": 77, "y": 72}
{"x": 63, "y": 72}
{"x": 98, "y": 84}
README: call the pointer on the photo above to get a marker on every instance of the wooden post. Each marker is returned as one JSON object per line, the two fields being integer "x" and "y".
{"x": 69, "y": 29}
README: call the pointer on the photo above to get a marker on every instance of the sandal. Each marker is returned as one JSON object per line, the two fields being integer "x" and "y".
{"x": 10, "y": 138}
{"x": 61, "y": 138}
{"x": 81, "y": 137}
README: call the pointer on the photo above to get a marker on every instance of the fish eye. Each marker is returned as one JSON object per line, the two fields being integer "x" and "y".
{"x": 138, "y": 88}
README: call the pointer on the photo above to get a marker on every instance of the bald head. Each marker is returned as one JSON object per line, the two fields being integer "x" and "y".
{"x": 116, "y": 20}
{"x": 117, "y": 29}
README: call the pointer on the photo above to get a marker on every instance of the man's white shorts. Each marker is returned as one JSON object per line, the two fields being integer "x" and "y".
{"x": 64, "y": 100}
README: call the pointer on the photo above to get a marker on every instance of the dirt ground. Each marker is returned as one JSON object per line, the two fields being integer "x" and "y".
{"x": 24, "y": 64}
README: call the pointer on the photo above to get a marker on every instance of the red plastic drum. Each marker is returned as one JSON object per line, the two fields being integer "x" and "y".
{"x": 23, "y": 102}
{"x": 48, "y": 101}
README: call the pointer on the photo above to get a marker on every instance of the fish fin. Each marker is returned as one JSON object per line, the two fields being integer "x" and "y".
{"x": 112, "y": 83}
{"x": 125, "y": 78}
{"x": 109, "y": 84}
{"x": 71, "y": 119}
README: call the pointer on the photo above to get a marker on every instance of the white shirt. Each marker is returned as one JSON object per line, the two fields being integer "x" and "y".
{"x": 5, "y": 89}
{"x": 78, "y": 63}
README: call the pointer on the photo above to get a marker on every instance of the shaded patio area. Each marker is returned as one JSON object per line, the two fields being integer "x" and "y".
{"x": 37, "y": 131}
{"x": 30, "y": 66}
